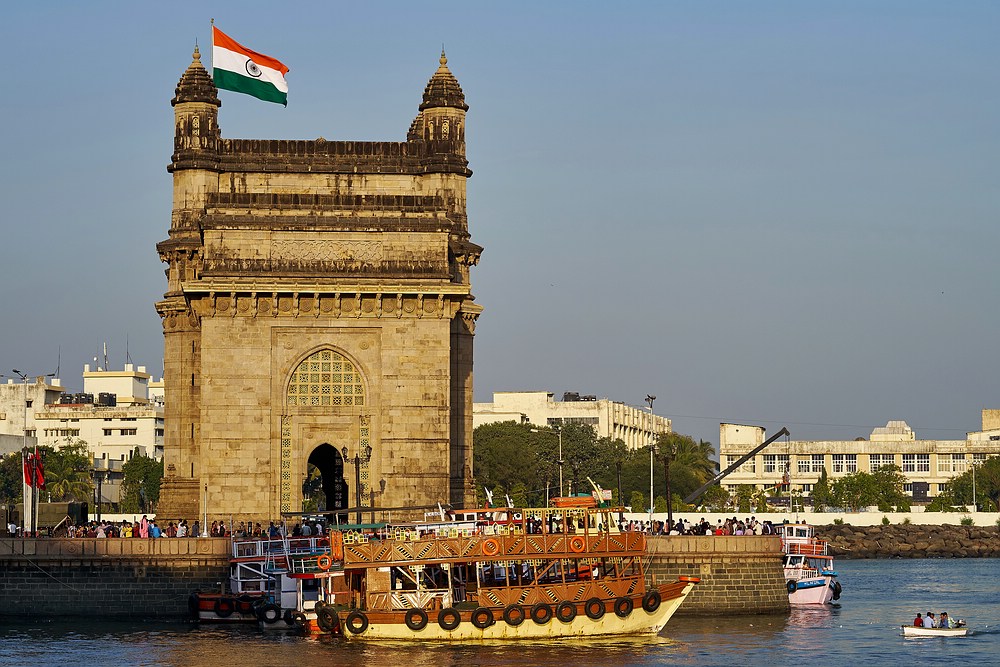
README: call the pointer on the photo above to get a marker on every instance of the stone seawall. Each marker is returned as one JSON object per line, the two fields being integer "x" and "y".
{"x": 739, "y": 575}
{"x": 911, "y": 541}
{"x": 110, "y": 578}
{"x": 117, "y": 578}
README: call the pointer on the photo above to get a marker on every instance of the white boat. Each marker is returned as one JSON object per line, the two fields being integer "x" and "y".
{"x": 809, "y": 574}
{"x": 914, "y": 631}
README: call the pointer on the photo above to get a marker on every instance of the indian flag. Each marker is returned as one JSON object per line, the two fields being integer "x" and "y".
{"x": 239, "y": 69}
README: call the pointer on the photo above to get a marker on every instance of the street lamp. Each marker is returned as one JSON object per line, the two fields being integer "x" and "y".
{"x": 652, "y": 450}
{"x": 558, "y": 430}
{"x": 357, "y": 474}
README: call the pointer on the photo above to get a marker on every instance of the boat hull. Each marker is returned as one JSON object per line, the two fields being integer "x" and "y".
{"x": 913, "y": 631}
{"x": 390, "y": 625}
{"x": 811, "y": 591}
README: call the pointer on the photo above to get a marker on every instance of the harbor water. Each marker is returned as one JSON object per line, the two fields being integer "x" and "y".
{"x": 879, "y": 595}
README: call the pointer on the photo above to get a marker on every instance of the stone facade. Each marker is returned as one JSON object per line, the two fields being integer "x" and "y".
{"x": 108, "y": 578}
{"x": 739, "y": 575}
{"x": 318, "y": 303}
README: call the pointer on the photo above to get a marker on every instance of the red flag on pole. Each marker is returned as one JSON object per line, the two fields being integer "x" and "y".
{"x": 28, "y": 477}
{"x": 39, "y": 471}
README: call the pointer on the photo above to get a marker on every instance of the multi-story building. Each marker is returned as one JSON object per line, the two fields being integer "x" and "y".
{"x": 19, "y": 404}
{"x": 611, "y": 419}
{"x": 927, "y": 464}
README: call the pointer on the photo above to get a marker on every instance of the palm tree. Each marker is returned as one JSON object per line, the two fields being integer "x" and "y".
{"x": 67, "y": 475}
{"x": 691, "y": 462}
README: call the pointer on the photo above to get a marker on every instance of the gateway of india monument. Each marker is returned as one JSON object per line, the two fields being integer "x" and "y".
{"x": 318, "y": 311}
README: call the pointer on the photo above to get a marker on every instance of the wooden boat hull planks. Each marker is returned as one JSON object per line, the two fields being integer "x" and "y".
{"x": 391, "y": 625}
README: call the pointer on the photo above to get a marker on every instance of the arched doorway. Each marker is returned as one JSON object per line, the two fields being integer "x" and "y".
{"x": 325, "y": 480}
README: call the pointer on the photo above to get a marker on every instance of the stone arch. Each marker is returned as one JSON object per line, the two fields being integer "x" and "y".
{"x": 330, "y": 463}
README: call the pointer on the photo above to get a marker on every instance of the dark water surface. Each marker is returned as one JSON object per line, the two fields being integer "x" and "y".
{"x": 879, "y": 595}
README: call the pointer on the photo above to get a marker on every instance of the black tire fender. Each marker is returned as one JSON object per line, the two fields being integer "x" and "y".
{"x": 269, "y": 613}
{"x": 566, "y": 611}
{"x": 326, "y": 619}
{"x": 623, "y": 607}
{"x": 449, "y": 618}
{"x": 224, "y": 607}
{"x": 416, "y": 619}
{"x": 541, "y": 613}
{"x": 482, "y": 618}
{"x": 594, "y": 608}
{"x": 513, "y": 615}
{"x": 651, "y": 601}
{"x": 356, "y": 622}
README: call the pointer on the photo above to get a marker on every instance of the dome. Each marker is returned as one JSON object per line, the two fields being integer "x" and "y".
{"x": 196, "y": 84}
{"x": 443, "y": 89}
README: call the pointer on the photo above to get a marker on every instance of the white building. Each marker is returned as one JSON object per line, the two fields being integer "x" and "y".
{"x": 610, "y": 419}
{"x": 927, "y": 464}
{"x": 19, "y": 403}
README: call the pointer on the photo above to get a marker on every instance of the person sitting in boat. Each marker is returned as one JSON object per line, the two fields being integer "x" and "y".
{"x": 929, "y": 620}
{"x": 918, "y": 622}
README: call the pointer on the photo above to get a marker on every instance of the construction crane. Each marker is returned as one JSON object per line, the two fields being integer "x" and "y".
{"x": 715, "y": 480}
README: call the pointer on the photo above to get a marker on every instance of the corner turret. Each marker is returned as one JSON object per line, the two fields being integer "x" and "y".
{"x": 442, "y": 110}
{"x": 196, "y": 117}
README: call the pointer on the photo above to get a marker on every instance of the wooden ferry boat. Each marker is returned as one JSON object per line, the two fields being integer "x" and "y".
{"x": 498, "y": 574}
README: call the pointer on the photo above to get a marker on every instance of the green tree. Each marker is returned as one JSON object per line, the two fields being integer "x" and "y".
{"x": 716, "y": 499}
{"x": 637, "y": 501}
{"x": 889, "y": 481}
{"x": 987, "y": 486}
{"x": 614, "y": 454}
{"x": 519, "y": 494}
{"x": 855, "y": 491}
{"x": 11, "y": 478}
{"x": 690, "y": 462}
{"x": 141, "y": 483}
{"x": 744, "y": 498}
{"x": 660, "y": 504}
{"x": 68, "y": 472}
{"x": 822, "y": 496}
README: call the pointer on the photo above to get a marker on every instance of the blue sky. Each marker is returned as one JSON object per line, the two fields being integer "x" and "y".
{"x": 774, "y": 213}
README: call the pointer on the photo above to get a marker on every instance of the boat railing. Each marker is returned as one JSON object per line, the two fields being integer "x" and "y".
{"x": 280, "y": 547}
{"x": 813, "y": 547}
{"x": 512, "y": 546}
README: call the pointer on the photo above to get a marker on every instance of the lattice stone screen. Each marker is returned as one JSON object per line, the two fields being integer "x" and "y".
{"x": 326, "y": 378}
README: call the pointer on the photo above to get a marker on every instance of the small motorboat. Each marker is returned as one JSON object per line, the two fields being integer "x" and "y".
{"x": 914, "y": 631}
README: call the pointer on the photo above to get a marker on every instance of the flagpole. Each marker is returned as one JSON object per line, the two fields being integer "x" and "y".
{"x": 26, "y": 505}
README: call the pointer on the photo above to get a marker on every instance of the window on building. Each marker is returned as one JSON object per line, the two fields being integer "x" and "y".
{"x": 749, "y": 466}
{"x": 30, "y": 433}
{"x": 812, "y": 464}
{"x": 326, "y": 378}
{"x": 916, "y": 462}
{"x": 951, "y": 463}
{"x": 28, "y": 403}
{"x": 159, "y": 432}
{"x": 107, "y": 432}
{"x": 128, "y": 431}
{"x": 978, "y": 459}
{"x": 775, "y": 463}
{"x": 807, "y": 488}
{"x": 876, "y": 461}
{"x": 553, "y": 422}
{"x": 128, "y": 419}
{"x": 908, "y": 487}
{"x": 845, "y": 463}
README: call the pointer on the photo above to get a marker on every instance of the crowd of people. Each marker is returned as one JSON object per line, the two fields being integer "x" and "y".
{"x": 931, "y": 621}
{"x": 733, "y": 526}
{"x": 150, "y": 529}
